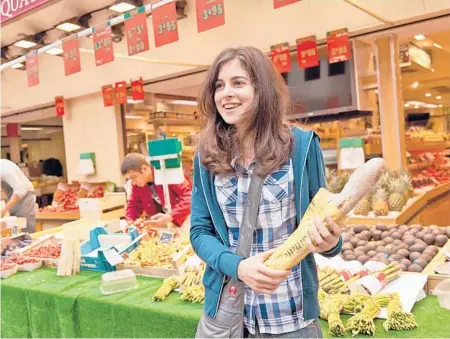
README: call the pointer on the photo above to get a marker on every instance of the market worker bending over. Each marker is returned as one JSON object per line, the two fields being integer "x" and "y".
{"x": 20, "y": 192}
{"x": 149, "y": 198}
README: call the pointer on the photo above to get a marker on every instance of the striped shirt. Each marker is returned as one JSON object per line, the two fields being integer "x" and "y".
{"x": 282, "y": 311}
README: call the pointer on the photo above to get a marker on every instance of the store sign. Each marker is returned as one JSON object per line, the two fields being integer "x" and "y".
{"x": 103, "y": 46}
{"x": 31, "y": 64}
{"x": 282, "y": 3}
{"x": 281, "y": 58}
{"x": 165, "y": 27}
{"x": 210, "y": 14}
{"x": 12, "y": 130}
{"x": 307, "y": 55}
{"x": 71, "y": 53}
{"x": 121, "y": 92}
{"x": 338, "y": 46}
{"x": 137, "y": 89}
{"x": 59, "y": 104}
{"x": 108, "y": 95}
{"x": 136, "y": 31}
{"x": 13, "y": 8}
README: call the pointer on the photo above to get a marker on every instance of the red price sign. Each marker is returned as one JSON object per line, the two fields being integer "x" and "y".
{"x": 59, "y": 104}
{"x": 12, "y": 130}
{"x": 103, "y": 46}
{"x": 165, "y": 27}
{"x": 281, "y": 58}
{"x": 31, "y": 63}
{"x": 121, "y": 92}
{"x": 72, "y": 62}
{"x": 137, "y": 89}
{"x": 137, "y": 34}
{"x": 307, "y": 52}
{"x": 281, "y": 3}
{"x": 210, "y": 14}
{"x": 338, "y": 46}
{"x": 108, "y": 95}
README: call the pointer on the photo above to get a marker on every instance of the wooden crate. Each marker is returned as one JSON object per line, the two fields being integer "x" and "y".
{"x": 434, "y": 278}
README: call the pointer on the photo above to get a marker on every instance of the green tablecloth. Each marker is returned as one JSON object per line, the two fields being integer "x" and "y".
{"x": 40, "y": 304}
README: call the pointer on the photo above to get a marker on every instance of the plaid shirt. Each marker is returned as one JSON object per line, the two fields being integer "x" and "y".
{"x": 281, "y": 312}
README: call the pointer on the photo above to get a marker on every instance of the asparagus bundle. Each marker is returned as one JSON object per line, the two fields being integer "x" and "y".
{"x": 168, "y": 285}
{"x": 362, "y": 323}
{"x": 335, "y": 325}
{"x": 375, "y": 281}
{"x": 398, "y": 319}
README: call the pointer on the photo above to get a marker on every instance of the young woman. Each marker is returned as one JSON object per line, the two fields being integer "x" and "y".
{"x": 244, "y": 101}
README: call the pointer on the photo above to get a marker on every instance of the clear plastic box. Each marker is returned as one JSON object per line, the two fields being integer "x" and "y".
{"x": 118, "y": 281}
{"x": 442, "y": 291}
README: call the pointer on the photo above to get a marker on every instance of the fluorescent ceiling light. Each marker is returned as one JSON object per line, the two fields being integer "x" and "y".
{"x": 416, "y": 106}
{"x": 31, "y": 128}
{"x": 54, "y": 51}
{"x": 430, "y": 106}
{"x": 133, "y": 117}
{"x": 130, "y": 100}
{"x": 440, "y": 105}
{"x": 437, "y": 45}
{"x": 122, "y": 7}
{"x": 18, "y": 65}
{"x": 415, "y": 84}
{"x": 428, "y": 94}
{"x": 184, "y": 102}
{"x": 419, "y": 37}
{"x": 25, "y": 44}
{"x": 438, "y": 97}
{"x": 413, "y": 102}
{"x": 406, "y": 105}
{"x": 68, "y": 27}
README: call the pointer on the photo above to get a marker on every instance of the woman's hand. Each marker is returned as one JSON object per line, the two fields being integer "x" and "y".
{"x": 258, "y": 277}
{"x": 323, "y": 238}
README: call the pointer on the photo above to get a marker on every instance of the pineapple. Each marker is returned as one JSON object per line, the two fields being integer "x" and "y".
{"x": 409, "y": 188}
{"x": 399, "y": 194}
{"x": 363, "y": 207}
{"x": 336, "y": 182}
{"x": 384, "y": 180}
{"x": 380, "y": 205}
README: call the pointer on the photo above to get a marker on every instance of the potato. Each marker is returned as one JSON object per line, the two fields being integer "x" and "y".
{"x": 414, "y": 255}
{"x": 415, "y": 268}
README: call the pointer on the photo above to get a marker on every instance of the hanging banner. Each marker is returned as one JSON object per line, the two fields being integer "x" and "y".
{"x": 307, "y": 52}
{"x": 11, "y": 9}
{"x": 103, "y": 46}
{"x": 72, "y": 62}
{"x": 136, "y": 31}
{"x": 282, "y": 3}
{"x": 12, "y": 130}
{"x": 165, "y": 27}
{"x": 338, "y": 46}
{"x": 137, "y": 89}
{"x": 210, "y": 14}
{"x": 280, "y": 57}
{"x": 59, "y": 104}
{"x": 31, "y": 63}
{"x": 121, "y": 92}
{"x": 108, "y": 95}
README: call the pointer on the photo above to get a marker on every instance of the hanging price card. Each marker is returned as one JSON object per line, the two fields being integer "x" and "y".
{"x": 59, "y": 104}
{"x": 280, "y": 57}
{"x": 121, "y": 92}
{"x": 136, "y": 31}
{"x": 281, "y": 3}
{"x": 12, "y": 130}
{"x": 108, "y": 95}
{"x": 71, "y": 54}
{"x": 307, "y": 52}
{"x": 165, "y": 27}
{"x": 137, "y": 89}
{"x": 210, "y": 14}
{"x": 338, "y": 46}
{"x": 103, "y": 46}
{"x": 31, "y": 63}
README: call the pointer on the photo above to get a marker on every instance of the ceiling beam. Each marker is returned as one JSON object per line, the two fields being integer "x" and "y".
{"x": 355, "y": 4}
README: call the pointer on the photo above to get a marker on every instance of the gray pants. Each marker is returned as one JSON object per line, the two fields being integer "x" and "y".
{"x": 25, "y": 208}
{"x": 311, "y": 331}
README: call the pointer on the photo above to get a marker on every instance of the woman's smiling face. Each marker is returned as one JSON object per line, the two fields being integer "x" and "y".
{"x": 234, "y": 92}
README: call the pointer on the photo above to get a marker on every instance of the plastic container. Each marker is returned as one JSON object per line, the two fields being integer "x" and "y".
{"x": 118, "y": 281}
{"x": 30, "y": 266}
{"x": 442, "y": 291}
{"x": 7, "y": 273}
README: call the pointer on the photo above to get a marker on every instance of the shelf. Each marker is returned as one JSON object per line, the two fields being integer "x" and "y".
{"x": 175, "y": 122}
{"x": 432, "y": 146}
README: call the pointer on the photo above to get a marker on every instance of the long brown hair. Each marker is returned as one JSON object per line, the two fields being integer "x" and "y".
{"x": 218, "y": 142}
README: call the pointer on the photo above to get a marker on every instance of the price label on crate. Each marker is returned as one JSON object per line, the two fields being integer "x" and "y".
{"x": 103, "y": 46}
{"x": 136, "y": 31}
{"x": 165, "y": 27}
{"x": 71, "y": 53}
{"x": 338, "y": 46}
{"x": 166, "y": 237}
{"x": 307, "y": 52}
{"x": 210, "y": 14}
{"x": 121, "y": 92}
{"x": 32, "y": 69}
{"x": 281, "y": 58}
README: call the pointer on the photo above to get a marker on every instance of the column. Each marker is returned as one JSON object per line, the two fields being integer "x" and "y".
{"x": 15, "y": 146}
{"x": 91, "y": 127}
{"x": 391, "y": 101}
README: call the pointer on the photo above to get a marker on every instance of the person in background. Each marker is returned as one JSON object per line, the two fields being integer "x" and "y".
{"x": 148, "y": 197}
{"x": 20, "y": 193}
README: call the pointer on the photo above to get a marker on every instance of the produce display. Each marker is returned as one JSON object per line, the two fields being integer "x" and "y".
{"x": 4, "y": 265}
{"x": 336, "y": 206}
{"x": 96, "y": 192}
{"x": 14, "y": 244}
{"x": 20, "y": 260}
{"x": 410, "y": 247}
{"x": 49, "y": 251}
{"x": 419, "y": 134}
{"x": 429, "y": 168}
{"x": 68, "y": 201}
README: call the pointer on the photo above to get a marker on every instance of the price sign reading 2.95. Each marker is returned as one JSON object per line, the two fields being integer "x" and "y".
{"x": 210, "y": 14}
